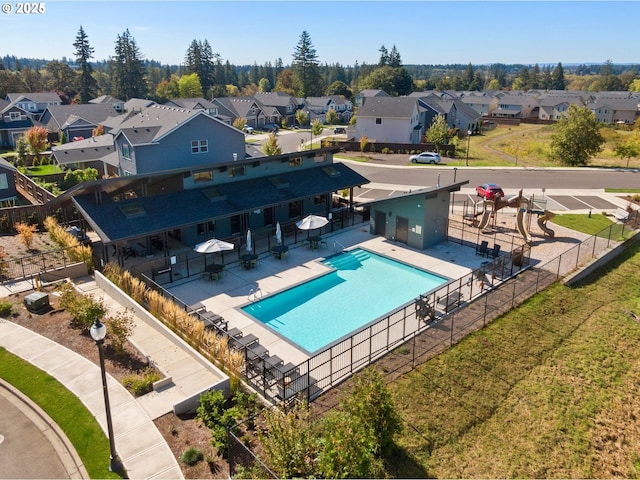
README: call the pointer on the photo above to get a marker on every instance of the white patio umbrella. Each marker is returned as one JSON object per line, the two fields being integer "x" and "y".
{"x": 213, "y": 246}
{"x": 278, "y": 234}
{"x": 249, "y": 249}
{"x": 312, "y": 222}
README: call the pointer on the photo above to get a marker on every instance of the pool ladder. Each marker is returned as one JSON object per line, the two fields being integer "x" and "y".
{"x": 254, "y": 293}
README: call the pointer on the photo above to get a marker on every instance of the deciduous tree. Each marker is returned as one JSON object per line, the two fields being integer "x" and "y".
{"x": 577, "y": 137}
{"x": 438, "y": 132}
{"x": 37, "y": 138}
{"x": 629, "y": 149}
{"x": 190, "y": 86}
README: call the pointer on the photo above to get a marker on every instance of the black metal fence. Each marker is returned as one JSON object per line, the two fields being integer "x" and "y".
{"x": 14, "y": 269}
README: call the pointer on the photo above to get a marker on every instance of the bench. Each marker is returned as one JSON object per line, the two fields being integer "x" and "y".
{"x": 621, "y": 214}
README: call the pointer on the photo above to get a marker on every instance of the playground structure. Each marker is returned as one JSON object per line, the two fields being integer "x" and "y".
{"x": 487, "y": 209}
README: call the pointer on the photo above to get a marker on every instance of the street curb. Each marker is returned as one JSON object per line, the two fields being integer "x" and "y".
{"x": 52, "y": 432}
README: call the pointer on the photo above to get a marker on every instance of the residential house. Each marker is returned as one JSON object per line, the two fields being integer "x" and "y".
{"x": 516, "y": 106}
{"x": 241, "y": 107}
{"x": 194, "y": 104}
{"x": 390, "y": 119}
{"x": 481, "y": 103}
{"x": 8, "y": 192}
{"x": 166, "y": 138}
{"x": 368, "y": 93}
{"x": 556, "y": 106}
{"x": 137, "y": 104}
{"x": 116, "y": 104}
{"x": 319, "y": 106}
{"x": 610, "y": 108}
{"x": 34, "y": 103}
{"x": 278, "y": 106}
{"x": 95, "y": 152}
{"x": 14, "y": 122}
{"x": 76, "y": 121}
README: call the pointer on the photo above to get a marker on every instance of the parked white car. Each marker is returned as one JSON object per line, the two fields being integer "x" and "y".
{"x": 425, "y": 157}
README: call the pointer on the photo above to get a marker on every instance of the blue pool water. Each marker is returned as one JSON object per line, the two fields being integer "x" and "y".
{"x": 363, "y": 287}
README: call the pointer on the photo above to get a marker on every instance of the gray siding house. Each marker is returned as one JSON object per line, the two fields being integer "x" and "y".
{"x": 166, "y": 138}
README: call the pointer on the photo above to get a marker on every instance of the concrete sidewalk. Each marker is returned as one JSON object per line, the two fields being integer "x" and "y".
{"x": 141, "y": 447}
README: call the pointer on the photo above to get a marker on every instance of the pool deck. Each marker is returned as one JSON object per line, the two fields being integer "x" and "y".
{"x": 238, "y": 286}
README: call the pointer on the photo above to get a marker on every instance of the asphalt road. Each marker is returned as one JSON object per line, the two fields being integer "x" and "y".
{"x": 396, "y": 172}
{"x": 395, "y": 169}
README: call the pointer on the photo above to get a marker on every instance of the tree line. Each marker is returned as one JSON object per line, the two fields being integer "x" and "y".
{"x": 204, "y": 73}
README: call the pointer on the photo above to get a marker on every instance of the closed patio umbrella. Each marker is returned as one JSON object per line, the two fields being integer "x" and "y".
{"x": 249, "y": 249}
{"x": 278, "y": 234}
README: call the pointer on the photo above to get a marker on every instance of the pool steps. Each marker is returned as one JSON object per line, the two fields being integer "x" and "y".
{"x": 348, "y": 260}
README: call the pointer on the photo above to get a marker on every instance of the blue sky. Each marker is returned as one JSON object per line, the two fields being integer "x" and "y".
{"x": 424, "y": 32}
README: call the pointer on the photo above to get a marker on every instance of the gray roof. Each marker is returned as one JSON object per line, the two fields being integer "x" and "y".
{"x": 153, "y": 123}
{"x": 37, "y": 97}
{"x": 91, "y": 149}
{"x": 275, "y": 99}
{"x": 105, "y": 99}
{"x": 389, "y": 107}
{"x": 614, "y": 103}
{"x": 189, "y": 207}
{"x": 93, "y": 114}
{"x": 137, "y": 104}
{"x": 190, "y": 103}
{"x": 373, "y": 92}
{"x": 238, "y": 106}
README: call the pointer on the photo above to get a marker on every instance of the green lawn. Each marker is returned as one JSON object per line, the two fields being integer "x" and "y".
{"x": 43, "y": 170}
{"x": 64, "y": 408}
{"x": 547, "y": 391}
{"x": 596, "y": 224}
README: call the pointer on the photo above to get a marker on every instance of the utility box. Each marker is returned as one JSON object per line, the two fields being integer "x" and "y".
{"x": 37, "y": 302}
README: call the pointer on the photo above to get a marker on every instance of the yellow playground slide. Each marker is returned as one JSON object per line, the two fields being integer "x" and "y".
{"x": 542, "y": 223}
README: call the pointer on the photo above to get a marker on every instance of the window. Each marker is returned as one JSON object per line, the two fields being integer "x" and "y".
{"x": 319, "y": 199}
{"x": 13, "y": 116}
{"x": 205, "y": 176}
{"x": 295, "y": 162}
{"x": 209, "y": 227}
{"x": 378, "y": 121}
{"x": 320, "y": 158}
{"x": 125, "y": 151}
{"x": 199, "y": 146}
{"x": 236, "y": 172}
{"x": 289, "y": 108}
{"x": 295, "y": 209}
{"x": 3, "y": 181}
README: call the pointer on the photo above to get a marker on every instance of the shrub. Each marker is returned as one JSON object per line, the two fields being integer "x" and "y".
{"x": 6, "y": 309}
{"x": 191, "y": 456}
{"x": 120, "y": 327}
{"x": 386, "y": 150}
{"x": 25, "y": 233}
{"x": 219, "y": 417}
{"x": 85, "y": 309}
{"x": 140, "y": 385}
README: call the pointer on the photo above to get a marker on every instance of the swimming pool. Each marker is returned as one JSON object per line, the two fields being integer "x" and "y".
{"x": 363, "y": 287}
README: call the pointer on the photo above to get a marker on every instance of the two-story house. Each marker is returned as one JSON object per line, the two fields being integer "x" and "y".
{"x": 319, "y": 106}
{"x": 241, "y": 107}
{"x": 14, "y": 122}
{"x": 611, "y": 108}
{"x": 116, "y": 104}
{"x": 390, "y": 119}
{"x": 34, "y": 103}
{"x": 76, "y": 121}
{"x": 165, "y": 138}
{"x": 278, "y": 106}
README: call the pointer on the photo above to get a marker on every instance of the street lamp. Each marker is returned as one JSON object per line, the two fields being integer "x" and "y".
{"x": 468, "y": 144}
{"x": 98, "y": 332}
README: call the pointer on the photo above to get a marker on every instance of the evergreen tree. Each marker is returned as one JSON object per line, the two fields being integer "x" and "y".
{"x": 557, "y": 78}
{"x": 468, "y": 77}
{"x": 128, "y": 72}
{"x": 384, "y": 56}
{"x": 305, "y": 65}
{"x": 87, "y": 85}
{"x": 200, "y": 60}
{"x": 394, "y": 58}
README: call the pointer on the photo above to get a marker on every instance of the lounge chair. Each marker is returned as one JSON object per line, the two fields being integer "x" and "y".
{"x": 494, "y": 252}
{"x": 483, "y": 248}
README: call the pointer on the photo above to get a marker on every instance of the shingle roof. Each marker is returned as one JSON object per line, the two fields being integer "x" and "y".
{"x": 90, "y": 149}
{"x": 189, "y": 207}
{"x": 37, "y": 97}
{"x": 190, "y": 103}
{"x": 390, "y": 107}
{"x": 93, "y": 114}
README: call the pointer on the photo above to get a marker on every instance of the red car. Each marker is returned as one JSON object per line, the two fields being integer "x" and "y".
{"x": 489, "y": 191}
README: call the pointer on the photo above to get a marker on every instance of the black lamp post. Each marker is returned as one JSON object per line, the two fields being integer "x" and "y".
{"x": 98, "y": 332}
{"x": 468, "y": 144}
